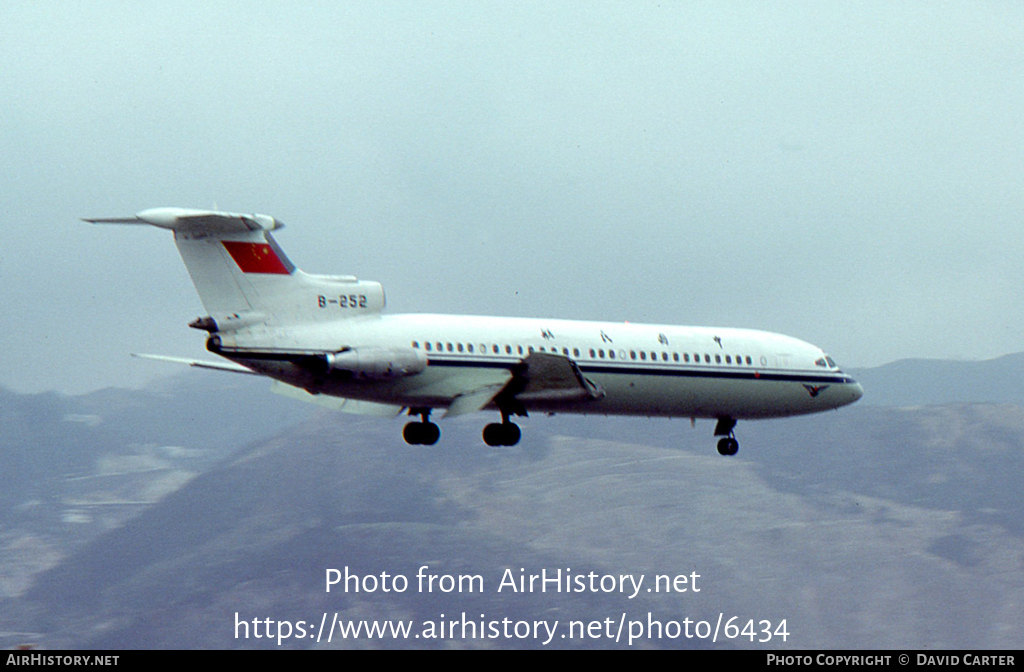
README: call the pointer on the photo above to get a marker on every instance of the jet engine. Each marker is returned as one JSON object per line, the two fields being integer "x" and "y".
{"x": 377, "y": 363}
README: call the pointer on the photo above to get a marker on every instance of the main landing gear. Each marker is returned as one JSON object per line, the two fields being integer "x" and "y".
{"x": 729, "y": 445}
{"x": 423, "y": 433}
{"x": 426, "y": 433}
{"x": 502, "y": 433}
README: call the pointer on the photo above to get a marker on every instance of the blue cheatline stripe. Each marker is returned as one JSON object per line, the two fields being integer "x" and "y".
{"x": 660, "y": 371}
{"x": 615, "y": 369}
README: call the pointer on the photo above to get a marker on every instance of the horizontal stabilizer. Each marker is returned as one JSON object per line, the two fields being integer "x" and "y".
{"x": 197, "y": 221}
{"x": 116, "y": 220}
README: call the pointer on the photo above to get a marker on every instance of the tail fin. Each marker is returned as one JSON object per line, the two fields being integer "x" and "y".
{"x": 242, "y": 276}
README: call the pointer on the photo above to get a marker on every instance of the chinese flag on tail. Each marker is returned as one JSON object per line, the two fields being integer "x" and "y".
{"x": 255, "y": 257}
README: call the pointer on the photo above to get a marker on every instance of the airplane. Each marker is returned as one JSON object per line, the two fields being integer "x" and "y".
{"x": 327, "y": 337}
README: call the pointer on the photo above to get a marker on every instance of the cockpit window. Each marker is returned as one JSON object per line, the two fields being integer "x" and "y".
{"x": 820, "y": 362}
{"x": 831, "y": 362}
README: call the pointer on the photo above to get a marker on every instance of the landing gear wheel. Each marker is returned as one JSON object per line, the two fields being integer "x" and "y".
{"x": 728, "y": 446}
{"x": 421, "y": 433}
{"x": 410, "y": 433}
{"x": 492, "y": 434}
{"x": 431, "y": 433}
{"x": 502, "y": 434}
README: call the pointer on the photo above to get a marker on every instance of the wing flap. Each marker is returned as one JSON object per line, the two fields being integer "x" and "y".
{"x": 548, "y": 377}
{"x": 475, "y": 400}
{"x": 540, "y": 377}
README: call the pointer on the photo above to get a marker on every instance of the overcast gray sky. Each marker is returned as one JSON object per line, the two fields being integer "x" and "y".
{"x": 847, "y": 173}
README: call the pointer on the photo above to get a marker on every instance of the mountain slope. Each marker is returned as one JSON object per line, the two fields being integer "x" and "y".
{"x": 787, "y": 532}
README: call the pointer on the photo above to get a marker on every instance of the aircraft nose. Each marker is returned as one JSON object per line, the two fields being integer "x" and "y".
{"x": 856, "y": 391}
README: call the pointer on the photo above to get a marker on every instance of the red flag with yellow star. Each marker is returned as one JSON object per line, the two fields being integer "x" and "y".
{"x": 255, "y": 257}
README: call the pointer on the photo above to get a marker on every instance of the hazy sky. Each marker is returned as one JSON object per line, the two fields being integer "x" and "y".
{"x": 847, "y": 173}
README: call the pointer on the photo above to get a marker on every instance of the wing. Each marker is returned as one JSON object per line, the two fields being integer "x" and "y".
{"x": 354, "y": 406}
{"x": 540, "y": 377}
{"x": 549, "y": 377}
{"x": 200, "y": 364}
{"x": 336, "y": 403}
{"x": 474, "y": 400}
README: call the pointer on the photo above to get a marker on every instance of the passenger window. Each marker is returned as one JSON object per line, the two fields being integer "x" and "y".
{"x": 707, "y": 358}
{"x": 728, "y": 359}
{"x": 686, "y": 357}
{"x": 718, "y": 359}
{"x": 520, "y": 348}
{"x": 450, "y": 348}
{"x": 416, "y": 344}
{"x": 632, "y": 354}
{"x": 470, "y": 347}
{"x": 748, "y": 359}
{"x": 675, "y": 356}
{"x": 530, "y": 348}
{"x": 600, "y": 353}
{"x": 664, "y": 356}
{"x": 592, "y": 353}
{"x": 428, "y": 346}
{"x": 611, "y": 354}
{"x": 575, "y": 352}
{"x": 460, "y": 347}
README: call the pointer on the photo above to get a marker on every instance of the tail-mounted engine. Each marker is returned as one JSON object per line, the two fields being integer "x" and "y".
{"x": 376, "y": 363}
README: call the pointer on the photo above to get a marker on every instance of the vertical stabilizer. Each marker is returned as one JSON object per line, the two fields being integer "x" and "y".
{"x": 243, "y": 277}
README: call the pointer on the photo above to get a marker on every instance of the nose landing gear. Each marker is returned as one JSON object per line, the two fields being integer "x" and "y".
{"x": 728, "y": 446}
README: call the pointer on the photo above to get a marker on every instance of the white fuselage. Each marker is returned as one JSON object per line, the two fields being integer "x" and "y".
{"x": 328, "y": 335}
{"x": 652, "y": 370}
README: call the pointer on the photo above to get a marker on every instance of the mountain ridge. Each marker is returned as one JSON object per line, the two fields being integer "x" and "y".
{"x": 841, "y": 524}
